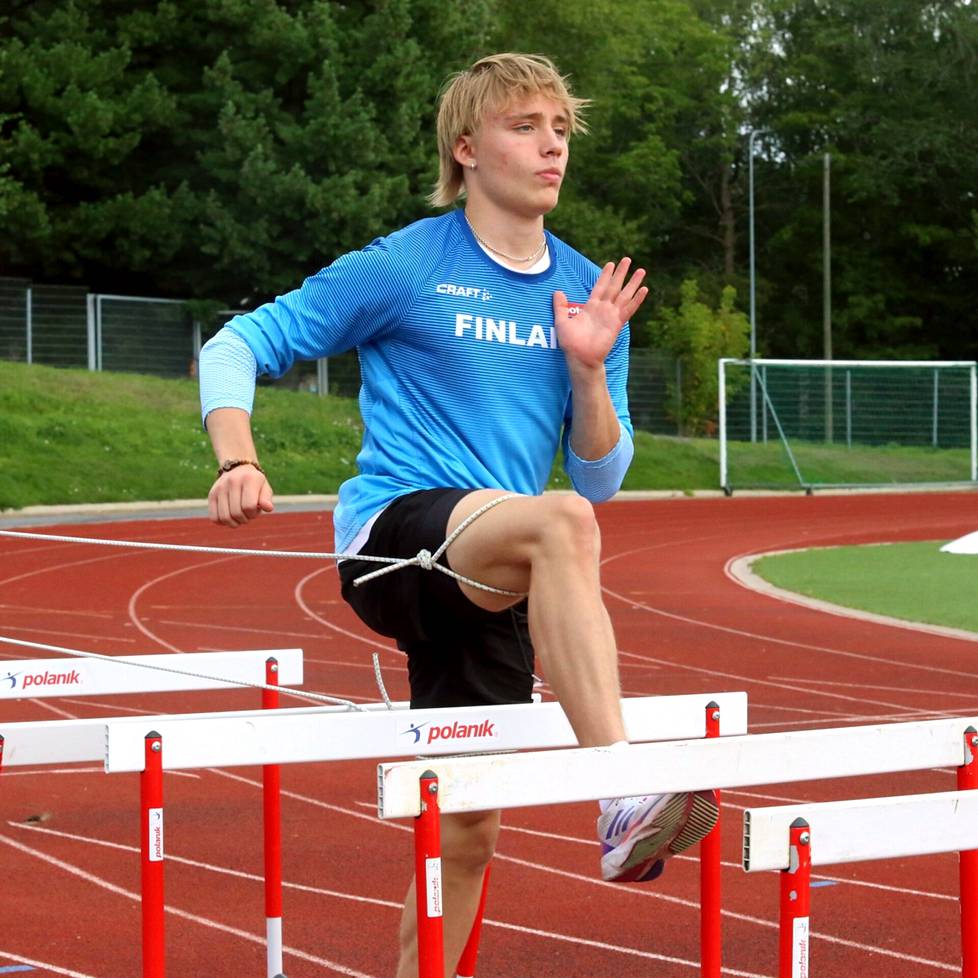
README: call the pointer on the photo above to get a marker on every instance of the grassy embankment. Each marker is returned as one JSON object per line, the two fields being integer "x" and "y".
{"x": 71, "y": 436}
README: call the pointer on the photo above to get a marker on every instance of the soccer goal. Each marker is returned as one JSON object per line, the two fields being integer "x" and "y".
{"x": 821, "y": 424}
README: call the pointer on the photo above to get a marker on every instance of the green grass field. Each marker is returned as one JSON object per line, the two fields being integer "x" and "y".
{"x": 912, "y": 581}
{"x": 766, "y": 465}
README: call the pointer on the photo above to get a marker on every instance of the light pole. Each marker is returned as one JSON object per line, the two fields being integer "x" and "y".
{"x": 753, "y": 298}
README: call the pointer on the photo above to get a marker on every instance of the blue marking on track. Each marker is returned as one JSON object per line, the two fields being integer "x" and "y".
{"x": 823, "y": 883}
{"x": 9, "y": 969}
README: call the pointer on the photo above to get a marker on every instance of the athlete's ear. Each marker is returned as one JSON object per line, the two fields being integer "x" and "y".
{"x": 464, "y": 151}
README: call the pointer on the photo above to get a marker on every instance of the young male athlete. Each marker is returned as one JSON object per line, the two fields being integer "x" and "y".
{"x": 486, "y": 344}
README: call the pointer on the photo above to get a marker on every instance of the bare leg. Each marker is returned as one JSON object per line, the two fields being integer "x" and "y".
{"x": 548, "y": 547}
{"x": 467, "y": 843}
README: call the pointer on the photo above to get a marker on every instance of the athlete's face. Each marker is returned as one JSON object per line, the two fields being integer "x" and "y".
{"x": 520, "y": 154}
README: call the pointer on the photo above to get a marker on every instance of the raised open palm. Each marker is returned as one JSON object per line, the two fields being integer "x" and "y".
{"x": 587, "y": 333}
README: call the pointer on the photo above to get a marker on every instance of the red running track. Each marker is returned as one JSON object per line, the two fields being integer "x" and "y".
{"x": 68, "y": 898}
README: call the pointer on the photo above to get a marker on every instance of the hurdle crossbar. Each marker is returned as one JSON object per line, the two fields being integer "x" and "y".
{"x": 43, "y": 742}
{"x": 67, "y": 676}
{"x": 857, "y": 831}
{"x": 299, "y": 736}
{"x": 471, "y": 784}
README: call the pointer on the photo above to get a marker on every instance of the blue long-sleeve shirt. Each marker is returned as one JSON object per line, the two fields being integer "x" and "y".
{"x": 463, "y": 383}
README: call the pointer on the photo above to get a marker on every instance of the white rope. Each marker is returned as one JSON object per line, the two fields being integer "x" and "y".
{"x": 380, "y": 681}
{"x": 143, "y": 545}
{"x": 302, "y": 694}
{"x": 429, "y": 561}
{"x": 424, "y": 559}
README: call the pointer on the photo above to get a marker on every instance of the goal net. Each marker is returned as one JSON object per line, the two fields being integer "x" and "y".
{"x": 820, "y": 424}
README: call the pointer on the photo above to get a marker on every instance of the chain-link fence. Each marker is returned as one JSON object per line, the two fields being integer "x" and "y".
{"x": 65, "y": 326}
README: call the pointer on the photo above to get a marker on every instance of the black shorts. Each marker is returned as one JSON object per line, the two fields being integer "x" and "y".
{"x": 458, "y": 653}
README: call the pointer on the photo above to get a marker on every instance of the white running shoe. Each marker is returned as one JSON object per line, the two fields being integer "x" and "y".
{"x": 638, "y": 834}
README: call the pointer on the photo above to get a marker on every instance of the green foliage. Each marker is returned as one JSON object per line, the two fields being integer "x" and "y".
{"x": 698, "y": 336}
{"x": 886, "y": 89}
{"x": 223, "y": 150}
{"x": 216, "y": 149}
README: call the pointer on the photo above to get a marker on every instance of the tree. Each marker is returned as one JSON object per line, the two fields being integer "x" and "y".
{"x": 645, "y": 182}
{"x": 886, "y": 90}
{"x": 217, "y": 149}
{"x": 698, "y": 337}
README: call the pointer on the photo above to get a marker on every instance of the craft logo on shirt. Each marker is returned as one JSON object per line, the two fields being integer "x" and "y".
{"x": 463, "y": 291}
{"x": 431, "y": 732}
{"x": 23, "y": 680}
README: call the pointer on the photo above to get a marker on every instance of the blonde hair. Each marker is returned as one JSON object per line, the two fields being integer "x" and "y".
{"x": 489, "y": 85}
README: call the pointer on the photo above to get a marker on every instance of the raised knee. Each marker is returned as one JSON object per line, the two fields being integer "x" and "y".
{"x": 571, "y": 523}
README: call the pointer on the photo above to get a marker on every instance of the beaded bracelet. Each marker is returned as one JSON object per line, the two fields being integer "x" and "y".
{"x": 233, "y": 463}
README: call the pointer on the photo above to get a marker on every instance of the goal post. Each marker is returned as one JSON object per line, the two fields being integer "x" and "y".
{"x": 834, "y": 424}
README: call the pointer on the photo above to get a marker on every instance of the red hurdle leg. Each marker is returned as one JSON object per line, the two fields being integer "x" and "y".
{"x": 795, "y": 903}
{"x": 968, "y": 780}
{"x": 427, "y": 881}
{"x": 151, "y": 840}
{"x": 271, "y": 775}
{"x": 710, "y": 937}
{"x": 466, "y": 963}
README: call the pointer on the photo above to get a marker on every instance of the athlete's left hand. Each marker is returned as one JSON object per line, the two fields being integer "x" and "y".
{"x": 587, "y": 337}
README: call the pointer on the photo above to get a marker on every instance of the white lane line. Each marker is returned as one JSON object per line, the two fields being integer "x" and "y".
{"x": 43, "y": 631}
{"x": 808, "y": 691}
{"x": 134, "y": 597}
{"x": 43, "y": 965}
{"x": 24, "y": 609}
{"x": 43, "y": 771}
{"x": 211, "y": 626}
{"x": 889, "y": 689}
{"x": 367, "y": 640}
{"x": 176, "y": 911}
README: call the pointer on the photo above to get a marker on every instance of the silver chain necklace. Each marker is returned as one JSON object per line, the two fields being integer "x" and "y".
{"x": 502, "y": 254}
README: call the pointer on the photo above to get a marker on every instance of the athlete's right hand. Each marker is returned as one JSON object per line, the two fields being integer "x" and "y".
{"x": 239, "y": 496}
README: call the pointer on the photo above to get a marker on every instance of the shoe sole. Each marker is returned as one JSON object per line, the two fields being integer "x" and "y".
{"x": 699, "y": 824}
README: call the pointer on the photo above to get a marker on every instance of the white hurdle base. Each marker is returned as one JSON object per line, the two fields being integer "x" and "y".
{"x": 273, "y": 944}
{"x": 473, "y": 784}
{"x": 857, "y": 831}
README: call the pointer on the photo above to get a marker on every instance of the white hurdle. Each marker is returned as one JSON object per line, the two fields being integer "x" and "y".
{"x": 66, "y": 676}
{"x": 423, "y": 789}
{"x": 76, "y": 740}
{"x": 297, "y": 736}
{"x": 793, "y": 838}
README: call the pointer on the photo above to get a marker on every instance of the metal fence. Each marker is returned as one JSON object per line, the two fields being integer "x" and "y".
{"x": 66, "y": 326}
